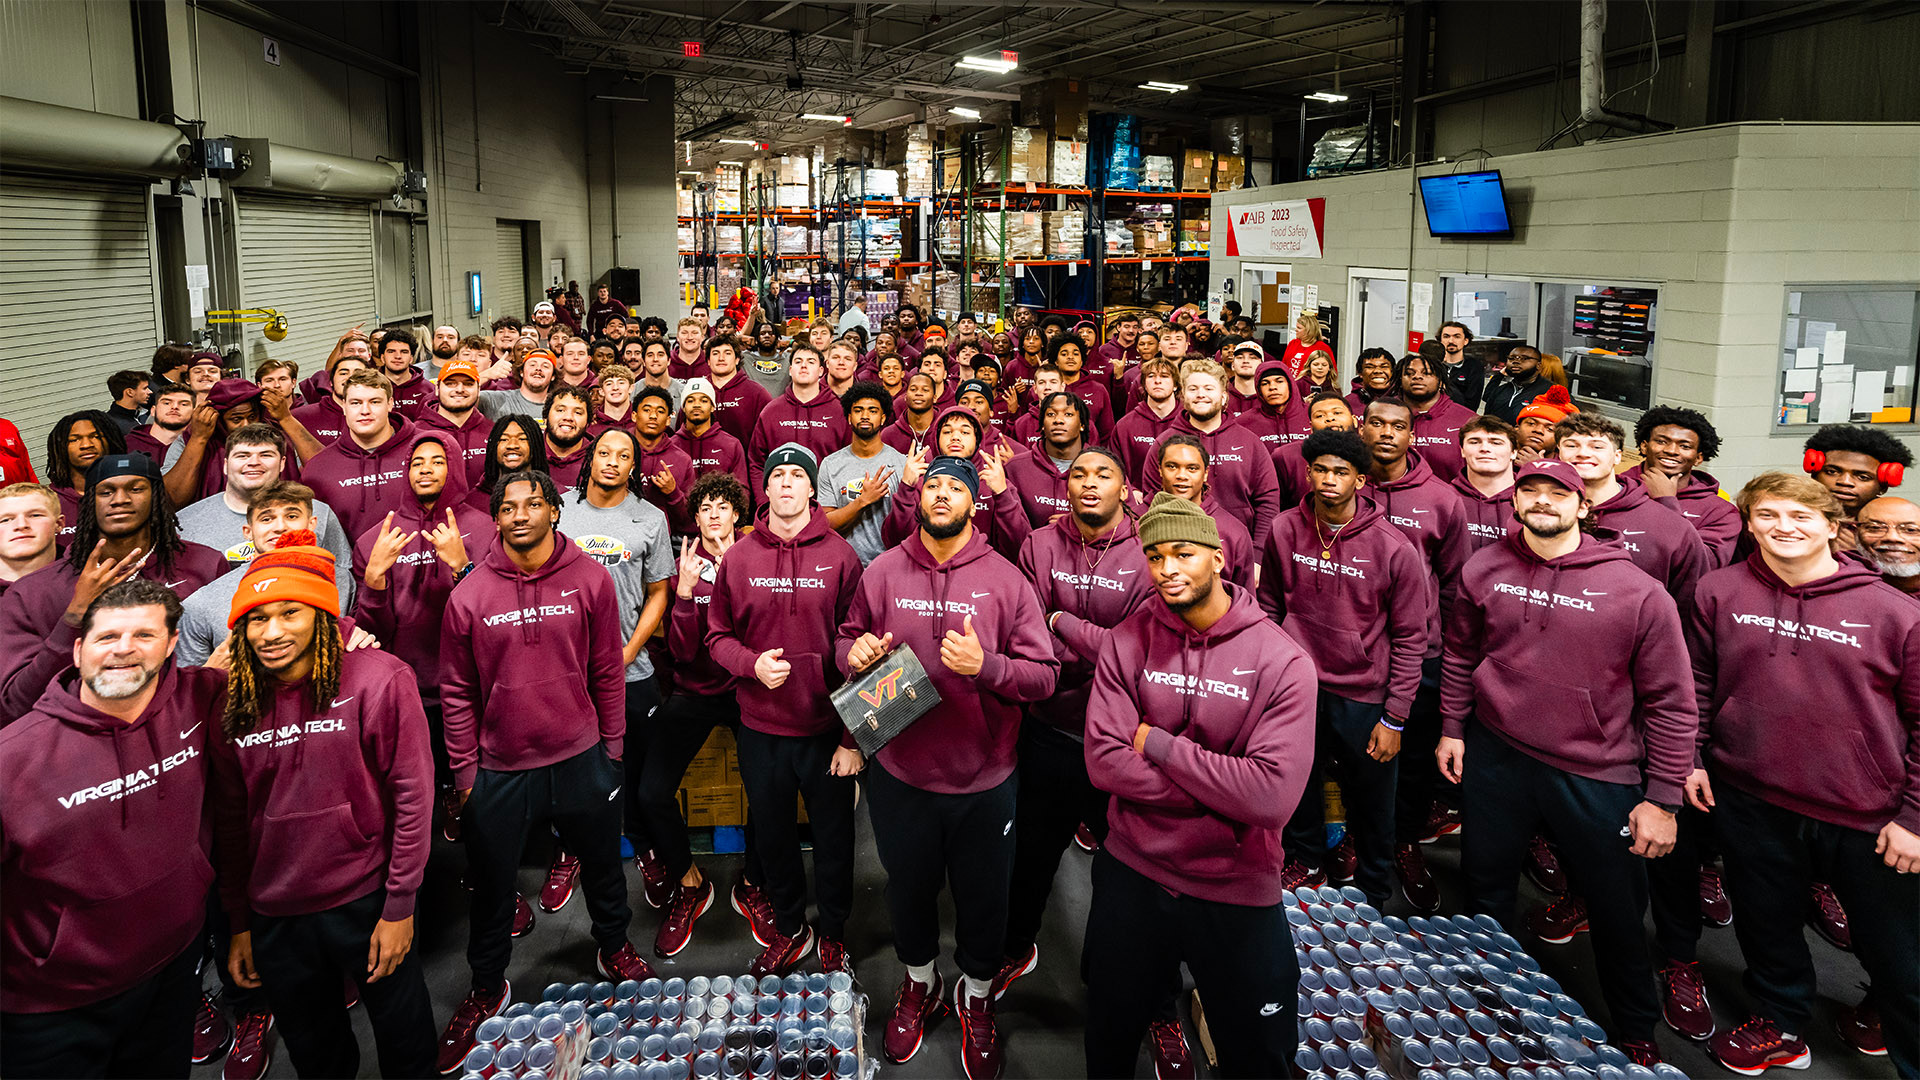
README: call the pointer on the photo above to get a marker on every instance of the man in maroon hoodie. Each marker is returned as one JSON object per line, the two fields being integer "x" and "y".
{"x": 568, "y": 413}
{"x": 997, "y": 514}
{"x": 106, "y": 770}
{"x": 1659, "y": 540}
{"x": 1807, "y": 669}
{"x": 1280, "y": 419}
{"x": 1243, "y": 476}
{"x": 326, "y": 417}
{"x": 1135, "y": 433}
{"x": 1357, "y": 595}
{"x": 456, "y": 412}
{"x": 1039, "y": 475}
{"x": 1488, "y": 449}
{"x": 534, "y": 694}
{"x": 1184, "y": 470}
{"x": 1613, "y": 762}
{"x": 317, "y": 900}
{"x": 1437, "y": 418}
{"x": 364, "y": 475}
{"x": 805, "y": 414}
{"x": 1200, "y": 723}
{"x": 780, "y": 594}
{"x": 413, "y": 392}
{"x": 665, "y": 471}
{"x": 740, "y": 400}
{"x": 943, "y": 789}
{"x": 1673, "y": 443}
{"x": 707, "y": 445}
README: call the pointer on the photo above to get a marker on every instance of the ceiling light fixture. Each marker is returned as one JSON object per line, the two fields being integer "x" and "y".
{"x": 962, "y": 110}
{"x": 993, "y": 64}
{"x": 1168, "y": 87}
{"x": 735, "y": 164}
{"x": 828, "y": 117}
{"x": 739, "y": 142}
{"x": 1326, "y": 95}
{"x": 689, "y": 172}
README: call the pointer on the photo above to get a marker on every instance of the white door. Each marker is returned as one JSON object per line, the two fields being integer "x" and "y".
{"x": 1263, "y": 297}
{"x": 312, "y": 261}
{"x": 1379, "y": 315}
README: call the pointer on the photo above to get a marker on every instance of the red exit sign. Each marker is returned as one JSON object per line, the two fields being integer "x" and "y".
{"x": 1009, "y": 56}
{"x": 689, "y": 48}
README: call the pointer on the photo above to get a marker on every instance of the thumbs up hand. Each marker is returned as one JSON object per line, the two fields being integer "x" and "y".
{"x": 961, "y": 652}
{"x": 771, "y": 670}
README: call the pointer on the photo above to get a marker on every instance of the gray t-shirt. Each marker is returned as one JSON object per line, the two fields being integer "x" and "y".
{"x": 631, "y": 541}
{"x": 840, "y": 477}
{"x": 767, "y": 369}
{"x": 203, "y": 616}
{"x": 495, "y": 404}
{"x": 213, "y": 523}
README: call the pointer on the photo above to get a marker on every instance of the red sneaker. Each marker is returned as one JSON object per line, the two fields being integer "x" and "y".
{"x": 752, "y": 905}
{"x": 1683, "y": 1001}
{"x": 657, "y": 885}
{"x": 1013, "y": 968}
{"x": 1416, "y": 883}
{"x": 833, "y": 955}
{"x": 1758, "y": 1045}
{"x": 353, "y": 993}
{"x": 457, "y": 1041}
{"x": 782, "y": 953}
{"x": 561, "y": 878}
{"x": 1828, "y": 918}
{"x": 914, "y": 1007}
{"x": 1859, "y": 1027}
{"x": 1167, "y": 1042}
{"x": 625, "y": 964}
{"x": 677, "y": 928}
{"x": 1556, "y": 923}
{"x": 1085, "y": 838}
{"x": 1644, "y": 1054}
{"x": 1440, "y": 822}
{"x": 522, "y": 916}
{"x": 211, "y": 1032}
{"x": 252, "y": 1048}
{"x": 979, "y": 1035}
{"x": 1543, "y": 865}
{"x": 1342, "y": 860}
{"x": 1715, "y": 908}
{"x": 1297, "y": 874}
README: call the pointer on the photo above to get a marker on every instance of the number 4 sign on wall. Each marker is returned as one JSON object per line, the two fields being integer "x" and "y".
{"x": 271, "y": 49}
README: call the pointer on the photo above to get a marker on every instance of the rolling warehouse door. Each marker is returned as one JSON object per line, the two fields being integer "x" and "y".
{"x": 76, "y": 297}
{"x": 509, "y": 289}
{"x": 311, "y": 260}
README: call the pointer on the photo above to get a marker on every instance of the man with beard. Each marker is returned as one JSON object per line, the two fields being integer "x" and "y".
{"x": 1856, "y": 463}
{"x": 313, "y": 905}
{"x": 1659, "y": 540}
{"x": 998, "y": 515}
{"x": 1533, "y": 601}
{"x": 1243, "y": 476}
{"x": 739, "y": 401}
{"x": 456, "y": 412}
{"x": 545, "y": 321}
{"x": 913, "y": 410}
{"x": 1517, "y": 384}
{"x": 1280, "y": 418}
{"x": 444, "y": 346}
{"x": 412, "y": 391}
{"x": 126, "y": 529}
{"x": 364, "y": 475}
{"x": 765, "y": 363}
{"x": 912, "y": 340}
{"x": 1437, "y": 418}
{"x": 170, "y": 410}
{"x": 664, "y": 471}
{"x": 1184, "y": 470}
{"x": 1888, "y": 529}
{"x": 1039, "y": 475}
{"x": 1488, "y": 448}
{"x": 1537, "y": 420}
{"x": 256, "y": 459}
{"x": 1200, "y": 723}
{"x": 1358, "y": 596}
{"x": 805, "y": 414}
{"x": 1673, "y": 444}
{"x": 569, "y": 410}
{"x": 1119, "y": 353}
{"x": 1463, "y": 376}
{"x": 856, "y": 479}
{"x": 527, "y": 399}
{"x": 707, "y": 445}
{"x": 76, "y": 441}
{"x": 943, "y": 789}
{"x": 29, "y": 518}
{"x": 66, "y": 810}
{"x": 1135, "y": 433}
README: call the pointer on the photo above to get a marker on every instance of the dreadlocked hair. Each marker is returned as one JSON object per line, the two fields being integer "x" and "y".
{"x": 60, "y": 472}
{"x": 163, "y": 530}
{"x": 536, "y": 447}
{"x": 250, "y": 687}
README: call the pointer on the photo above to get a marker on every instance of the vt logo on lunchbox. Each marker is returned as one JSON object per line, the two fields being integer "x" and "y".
{"x": 882, "y": 701}
{"x": 885, "y": 688}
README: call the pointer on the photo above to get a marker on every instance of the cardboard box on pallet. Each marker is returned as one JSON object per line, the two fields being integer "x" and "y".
{"x": 1229, "y": 172}
{"x": 1069, "y": 166}
{"x": 1152, "y": 238}
{"x": 708, "y": 807}
{"x": 716, "y": 765}
{"x": 1196, "y": 170}
{"x": 1066, "y": 233}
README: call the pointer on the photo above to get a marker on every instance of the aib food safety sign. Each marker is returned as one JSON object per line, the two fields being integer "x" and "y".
{"x": 1294, "y": 229}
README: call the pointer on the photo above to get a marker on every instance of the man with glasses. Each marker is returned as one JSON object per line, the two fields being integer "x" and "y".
{"x": 1888, "y": 529}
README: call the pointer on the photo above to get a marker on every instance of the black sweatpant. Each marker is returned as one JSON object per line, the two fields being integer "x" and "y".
{"x": 777, "y": 770}
{"x": 1506, "y": 795}
{"x": 674, "y": 736}
{"x": 1420, "y": 782}
{"x": 580, "y": 798}
{"x": 240, "y": 1000}
{"x": 1673, "y": 888}
{"x": 1055, "y": 798}
{"x": 143, "y": 1032}
{"x": 1241, "y": 958}
{"x": 643, "y": 703}
{"x": 926, "y": 838}
{"x": 304, "y": 960}
{"x": 1771, "y": 854}
{"x": 1366, "y": 786}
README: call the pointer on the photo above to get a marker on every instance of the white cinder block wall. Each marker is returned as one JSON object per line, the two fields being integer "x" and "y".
{"x": 1721, "y": 218}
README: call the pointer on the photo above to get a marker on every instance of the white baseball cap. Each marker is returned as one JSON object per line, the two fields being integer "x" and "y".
{"x": 544, "y": 305}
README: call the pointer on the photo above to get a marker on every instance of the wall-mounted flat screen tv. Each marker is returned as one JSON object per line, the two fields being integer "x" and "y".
{"x": 1466, "y": 204}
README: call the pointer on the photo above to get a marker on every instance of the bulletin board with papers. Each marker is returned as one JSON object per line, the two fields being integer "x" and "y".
{"x": 1849, "y": 354}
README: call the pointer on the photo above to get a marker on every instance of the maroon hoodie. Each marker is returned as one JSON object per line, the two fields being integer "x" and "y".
{"x": 1277, "y": 427}
{"x": 739, "y": 407}
{"x": 789, "y": 595}
{"x": 323, "y": 419}
{"x": 418, "y": 396}
{"x": 819, "y": 425}
{"x": 471, "y": 438}
{"x": 36, "y": 643}
{"x": 1099, "y": 406}
{"x": 362, "y": 484}
{"x": 1040, "y": 483}
{"x": 317, "y": 807}
{"x": 1809, "y": 695}
{"x": 668, "y": 455}
{"x": 1657, "y": 538}
{"x": 1001, "y": 518}
{"x": 1290, "y": 472}
{"x": 1576, "y": 662}
{"x": 1239, "y": 474}
{"x": 713, "y": 451}
{"x": 141, "y": 441}
{"x": 966, "y": 743}
{"x": 530, "y": 664}
{"x": 1489, "y": 518}
{"x": 565, "y": 468}
{"x": 1436, "y": 437}
{"x": 103, "y": 845}
{"x": 1135, "y": 434}
{"x": 1231, "y": 712}
{"x": 1712, "y": 515}
{"x": 694, "y": 670}
{"x": 902, "y": 437}
{"x": 1364, "y": 611}
{"x": 1426, "y": 510}
{"x": 1092, "y": 585}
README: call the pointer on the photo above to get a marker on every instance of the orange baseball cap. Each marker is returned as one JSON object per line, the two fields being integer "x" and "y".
{"x": 460, "y": 367}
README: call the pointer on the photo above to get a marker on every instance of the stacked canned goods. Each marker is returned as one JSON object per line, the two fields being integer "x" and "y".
{"x": 802, "y": 1027}
{"x": 1435, "y": 998}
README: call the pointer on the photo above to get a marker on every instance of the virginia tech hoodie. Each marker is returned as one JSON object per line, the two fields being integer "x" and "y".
{"x": 739, "y": 406}
{"x": 362, "y": 484}
{"x": 1231, "y": 711}
{"x": 966, "y": 743}
{"x": 819, "y": 425}
{"x": 1711, "y": 514}
{"x": 1489, "y": 517}
{"x": 1426, "y": 510}
{"x": 530, "y": 664}
{"x": 1239, "y": 474}
{"x": 694, "y": 669}
{"x": 1436, "y": 437}
{"x": 103, "y": 844}
{"x": 790, "y": 595}
{"x": 1657, "y": 538}
{"x": 317, "y": 807}
{"x": 1040, "y": 482}
{"x": 1576, "y": 661}
{"x": 714, "y": 450}
{"x": 1093, "y": 584}
{"x": 1809, "y": 695}
{"x": 1134, "y": 437}
{"x": 1277, "y": 427}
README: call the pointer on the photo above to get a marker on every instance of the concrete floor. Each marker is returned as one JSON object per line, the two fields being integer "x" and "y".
{"x": 1041, "y": 1016}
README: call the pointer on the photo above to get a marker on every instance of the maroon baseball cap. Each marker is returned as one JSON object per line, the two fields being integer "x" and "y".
{"x": 1552, "y": 469}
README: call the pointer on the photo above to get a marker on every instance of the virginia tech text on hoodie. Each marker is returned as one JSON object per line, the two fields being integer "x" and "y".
{"x": 1093, "y": 585}
{"x": 1489, "y": 517}
{"x": 819, "y": 425}
{"x": 362, "y": 484}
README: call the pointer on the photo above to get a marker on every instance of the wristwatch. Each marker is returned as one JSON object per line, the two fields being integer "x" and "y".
{"x": 1671, "y": 808}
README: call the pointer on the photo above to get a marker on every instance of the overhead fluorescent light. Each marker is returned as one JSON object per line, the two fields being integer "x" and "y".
{"x": 828, "y": 117}
{"x": 619, "y": 97}
{"x": 736, "y": 164}
{"x": 739, "y": 142}
{"x": 1169, "y": 87}
{"x": 962, "y": 110}
{"x": 689, "y": 172}
{"x": 995, "y": 64}
{"x": 1326, "y": 95}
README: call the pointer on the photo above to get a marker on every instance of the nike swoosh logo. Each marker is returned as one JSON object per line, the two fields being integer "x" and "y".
{"x": 1626, "y": 830}
{"x": 176, "y": 584}
{"x": 1124, "y": 573}
{"x": 337, "y": 702}
{"x": 191, "y": 730}
{"x": 823, "y": 569}
{"x": 1590, "y": 592}
{"x": 567, "y": 592}
{"x": 1418, "y": 510}
{"x": 1248, "y": 671}
{"x": 1363, "y": 560}
{"x": 978, "y": 595}
{"x": 1856, "y": 625}
{"x": 1271, "y": 1008}
{"x": 1633, "y": 532}
{"x": 614, "y": 794}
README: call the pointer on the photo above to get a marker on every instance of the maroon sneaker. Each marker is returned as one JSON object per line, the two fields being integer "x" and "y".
{"x": 914, "y": 1007}
{"x": 677, "y": 928}
{"x": 752, "y": 905}
{"x": 1167, "y": 1042}
{"x": 457, "y": 1041}
{"x": 782, "y": 953}
{"x": 1543, "y": 866}
{"x": 1012, "y": 968}
{"x": 1297, "y": 874}
{"x": 1440, "y": 822}
{"x": 1859, "y": 1027}
{"x": 1683, "y": 1000}
{"x": 1758, "y": 1045}
{"x": 1715, "y": 908}
{"x": 353, "y": 993}
{"x": 252, "y": 1047}
{"x": 1342, "y": 860}
{"x": 1828, "y": 918}
{"x": 1644, "y": 1054}
{"x": 1416, "y": 884}
{"x": 979, "y": 1034}
{"x": 522, "y": 916}
{"x": 625, "y": 964}
{"x": 833, "y": 955}
{"x": 655, "y": 882}
{"x": 561, "y": 878}
{"x": 211, "y": 1032}
{"x": 1556, "y": 923}
{"x": 1085, "y": 838}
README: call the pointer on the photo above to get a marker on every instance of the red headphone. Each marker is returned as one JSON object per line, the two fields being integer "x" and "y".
{"x": 1890, "y": 473}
